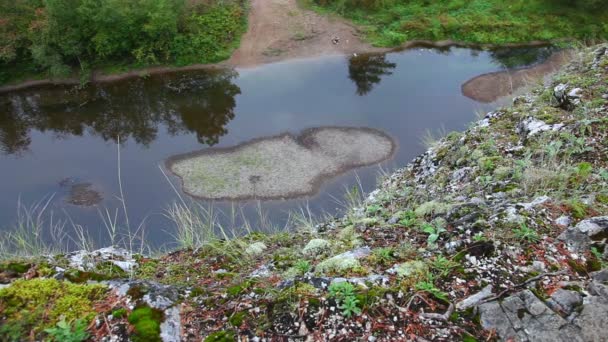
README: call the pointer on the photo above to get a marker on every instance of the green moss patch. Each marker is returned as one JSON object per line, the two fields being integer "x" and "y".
{"x": 146, "y": 321}
{"x": 30, "y": 306}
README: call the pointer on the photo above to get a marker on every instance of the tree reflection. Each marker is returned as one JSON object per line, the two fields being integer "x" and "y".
{"x": 366, "y": 71}
{"x": 200, "y": 102}
{"x": 513, "y": 58}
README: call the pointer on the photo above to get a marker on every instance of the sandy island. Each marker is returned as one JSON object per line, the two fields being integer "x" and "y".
{"x": 277, "y": 167}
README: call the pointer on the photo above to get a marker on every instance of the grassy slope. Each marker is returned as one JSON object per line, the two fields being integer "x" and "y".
{"x": 473, "y": 21}
{"x": 409, "y": 222}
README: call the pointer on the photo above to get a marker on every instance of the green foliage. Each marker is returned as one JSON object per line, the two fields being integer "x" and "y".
{"x": 596, "y": 253}
{"x": 443, "y": 265}
{"x": 428, "y": 286}
{"x": 119, "y": 313}
{"x": 66, "y": 332}
{"x": 30, "y": 306}
{"x": 383, "y": 255}
{"x": 408, "y": 218}
{"x": 577, "y": 208}
{"x": 526, "y": 234}
{"x": 58, "y": 37}
{"x": 433, "y": 230}
{"x": 147, "y": 324}
{"x": 303, "y": 266}
{"x": 390, "y": 23}
{"x": 345, "y": 296}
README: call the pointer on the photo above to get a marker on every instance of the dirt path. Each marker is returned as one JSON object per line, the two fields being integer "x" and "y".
{"x": 280, "y": 29}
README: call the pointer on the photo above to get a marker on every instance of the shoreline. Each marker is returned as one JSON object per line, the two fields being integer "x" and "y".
{"x": 159, "y": 70}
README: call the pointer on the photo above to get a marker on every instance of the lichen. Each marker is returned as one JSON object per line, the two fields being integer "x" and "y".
{"x": 432, "y": 208}
{"x": 255, "y": 248}
{"x": 338, "y": 264}
{"x": 315, "y": 246}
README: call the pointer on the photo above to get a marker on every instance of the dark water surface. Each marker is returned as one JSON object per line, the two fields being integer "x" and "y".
{"x": 54, "y": 137}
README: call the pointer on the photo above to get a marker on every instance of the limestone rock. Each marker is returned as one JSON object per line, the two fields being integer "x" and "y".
{"x": 524, "y": 317}
{"x": 593, "y": 320}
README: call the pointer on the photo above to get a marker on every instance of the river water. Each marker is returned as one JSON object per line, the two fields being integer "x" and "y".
{"x": 56, "y": 140}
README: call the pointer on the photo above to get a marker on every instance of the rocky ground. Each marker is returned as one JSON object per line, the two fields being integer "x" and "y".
{"x": 497, "y": 233}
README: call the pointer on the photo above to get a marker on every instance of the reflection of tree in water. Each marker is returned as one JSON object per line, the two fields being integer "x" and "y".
{"x": 367, "y": 70}
{"x": 198, "y": 102}
{"x": 511, "y": 58}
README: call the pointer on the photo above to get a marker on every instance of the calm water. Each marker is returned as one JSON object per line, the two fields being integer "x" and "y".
{"x": 53, "y": 137}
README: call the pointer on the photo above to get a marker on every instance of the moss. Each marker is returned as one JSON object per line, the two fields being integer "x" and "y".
{"x": 238, "y": 318}
{"x": 110, "y": 270}
{"x": 146, "y": 321}
{"x": 593, "y": 264}
{"x": 221, "y": 336}
{"x": 576, "y": 267}
{"x": 33, "y": 305}
{"x": 16, "y": 267}
{"x": 238, "y": 289}
{"x": 78, "y": 276}
{"x": 119, "y": 313}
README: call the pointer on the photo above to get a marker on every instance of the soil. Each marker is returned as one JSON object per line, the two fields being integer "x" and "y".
{"x": 490, "y": 87}
{"x": 281, "y": 29}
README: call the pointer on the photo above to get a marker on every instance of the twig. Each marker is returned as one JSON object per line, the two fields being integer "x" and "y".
{"x": 535, "y": 278}
{"x": 409, "y": 303}
{"x": 440, "y": 317}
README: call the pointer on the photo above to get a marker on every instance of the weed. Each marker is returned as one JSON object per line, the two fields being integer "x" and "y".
{"x": 66, "y": 332}
{"x": 429, "y": 287}
{"x": 526, "y": 234}
{"x": 345, "y": 296}
{"x": 434, "y": 231}
{"x": 443, "y": 265}
{"x": 408, "y": 219}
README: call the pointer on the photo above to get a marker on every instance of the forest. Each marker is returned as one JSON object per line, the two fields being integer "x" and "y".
{"x": 59, "y": 38}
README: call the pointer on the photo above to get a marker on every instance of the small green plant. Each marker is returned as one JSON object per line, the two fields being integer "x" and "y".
{"x": 598, "y": 255}
{"x": 302, "y": 266}
{"x": 479, "y": 237}
{"x": 429, "y": 287}
{"x": 383, "y": 255}
{"x": 344, "y": 294}
{"x": 581, "y": 172}
{"x": 408, "y": 219}
{"x": 577, "y": 208}
{"x": 443, "y": 265}
{"x": 433, "y": 230}
{"x": 66, "y": 332}
{"x": 525, "y": 233}
{"x": 373, "y": 209}
{"x": 350, "y": 306}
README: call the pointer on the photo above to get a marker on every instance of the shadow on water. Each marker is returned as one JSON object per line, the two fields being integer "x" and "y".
{"x": 200, "y": 102}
